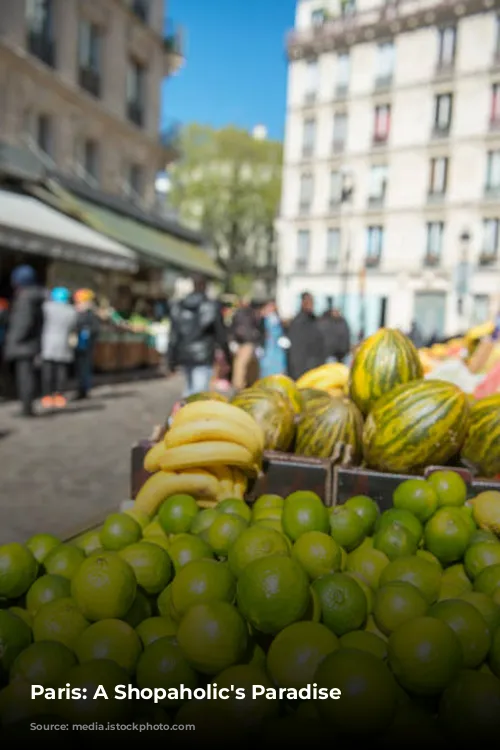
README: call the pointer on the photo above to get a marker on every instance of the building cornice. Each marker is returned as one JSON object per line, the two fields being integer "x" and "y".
{"x": 382, "y": 22}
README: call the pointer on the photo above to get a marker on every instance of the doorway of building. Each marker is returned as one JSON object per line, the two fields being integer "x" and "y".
{"x": 429, "y": 312}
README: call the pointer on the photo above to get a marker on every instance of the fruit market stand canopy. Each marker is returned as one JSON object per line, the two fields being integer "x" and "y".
{"x": 31, "y": 226}
{"x": 157, "y": 247}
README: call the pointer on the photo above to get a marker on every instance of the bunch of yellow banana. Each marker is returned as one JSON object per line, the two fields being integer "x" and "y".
{"x": 209, "y": 451}
{"x": 331, "y": 377}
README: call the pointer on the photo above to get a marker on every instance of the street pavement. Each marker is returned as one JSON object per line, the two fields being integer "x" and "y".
{"x": 60, "y": 471}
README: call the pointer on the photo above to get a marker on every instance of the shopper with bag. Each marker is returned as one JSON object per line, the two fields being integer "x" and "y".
{"x": 87, "y": 331}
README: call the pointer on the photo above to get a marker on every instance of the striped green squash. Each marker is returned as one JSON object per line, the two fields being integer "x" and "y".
{"x": 313, "y": 396}
{"x": 382, "y": 362}
{"x": 333, "y": 429}
{"x": 273, "y": 411}
{"x": 416, "y": 425}
{"x": 482, "y": 444}
{"x": 284, "y": 385}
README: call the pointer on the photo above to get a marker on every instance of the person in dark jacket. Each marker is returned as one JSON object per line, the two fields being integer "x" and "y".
{"x": 247, "y": 336}
{"x": 87, "y": 332}
{"x": 197, "y": 330}
{"x": 336, "y": 335}
{"x": 415, "y": 335}
{"x": 24, "y": 333}
{"x": 307, "y": 348}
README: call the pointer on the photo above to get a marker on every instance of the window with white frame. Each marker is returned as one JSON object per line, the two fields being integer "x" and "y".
{"x": 438, "y": 176}
{"x": 442, "y": 112}
{"x": 335, "y": 187}
{"x": 311, "y": 79}
{"x": 434, "y": 245}
{"x": 493, "y": 170}
{"x": 447, "y": 42}
{"x": 303, "y": 248}
{"x": 343, "y": 70}
{"x": 340, "y": 128}
{"x": 332, "y": 247}
{"x": 308, "y": 136}
{"x": 378, "y": 183}
{"x": 490, "y": 236}
{"x": 306, "y": 192}
{"x": 374, "y": 244}
{"x": 385, "y": 61}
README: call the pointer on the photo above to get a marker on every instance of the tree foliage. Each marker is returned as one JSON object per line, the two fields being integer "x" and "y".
{"x": 228, "y": 184}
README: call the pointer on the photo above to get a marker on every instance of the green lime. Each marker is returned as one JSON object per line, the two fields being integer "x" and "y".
{"x": 404, "y": 518}
{"x": 248, "y": 712}
{"x": 15, "y": 636}
{"x": 450, "y": 488}
{"x": 235, "y": 507}
{"x": 200, "y": 582}
{"x": 426, "y": 555}
{"x": 178, "y": 513}
{"x": 273, "y": 592}
{"x": 252, "y": 544}
{"x": 110, "y": 639}
{"x": 421, "y": 573}
{"x": 368, "y": 563}
{"x": 202, "y": 522}
{"x": 44, "y": 663}
{"x": 368, "y": 693}
{"x": 488, "y": 581}
{"x": 154, "y": 628}
{"x": 494, "y": 655}
{"x": 140, "y": 516}
{"x": 224, "y": 531}
{"x": 18, "y": 570}
{"x": 41, "y": 544}
{"x": 489, "y": 609}
{"x": 469, "y": 626}
{"x": 480, "y": 556}
{"x": 64, "y": 561}
{"x": 88, "y": 542}
{"x": 164, "y": 602}
{"x": 343, "y": 603}
{"x": 212, "y": 637}
{"x": 447, "y": 535}
{"x": 297, "y": 651}
{"x": 394, "y": 540}
{"x": 120, "y": 530}
{"x": 417, "y": 496}
{"x": 185, "y": 548}
{"x": 346, "y": 527}
{"x": 454, "y": 581}
{"x": 366, "y": 509}
{"x": 363, "y": 640}
{"x": 265, "y": 502}
{"x": 46, "y": 589}
{"x": 151, "y": 564}
{"x": 59, "y": 620}
{"x": 395, "y": 604}
{"x": 317, "y": 553}
{"x": 303, "y": 511}
{"x": 104, "y": 586}
{"x": 163, "y": 665}
{"x": 23, "y": 614}
{"x": 425, "y": 655}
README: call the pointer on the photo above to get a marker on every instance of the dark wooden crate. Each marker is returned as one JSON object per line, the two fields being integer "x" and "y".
{"x": 283, "y": 473}
{"x": 380, "y": 487}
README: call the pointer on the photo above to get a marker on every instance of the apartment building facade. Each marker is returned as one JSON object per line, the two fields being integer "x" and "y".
{"x": 391, "y": 183}
{"x": 80, "y": 86}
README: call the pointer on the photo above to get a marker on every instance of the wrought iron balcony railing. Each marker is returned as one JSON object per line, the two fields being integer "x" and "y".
{"x": 43, "y": 47}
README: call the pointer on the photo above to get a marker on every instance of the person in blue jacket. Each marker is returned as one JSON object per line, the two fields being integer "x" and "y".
{"x": 273, "y": 360}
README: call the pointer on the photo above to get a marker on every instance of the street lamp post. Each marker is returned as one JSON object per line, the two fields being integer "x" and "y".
{"x": 463, "y": 280}
{"x": 345, "y": 200}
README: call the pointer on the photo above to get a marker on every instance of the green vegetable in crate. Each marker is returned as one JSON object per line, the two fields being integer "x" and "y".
{"x": 333, "y": 429}
{"x": 482, "y": 444}
{"x": 311, "y": 397}
{"x": 284, "y": 385}
{"x": 273, "y": 412}
{"x": 383, "y": 361}
{"x": 416, "y": 425}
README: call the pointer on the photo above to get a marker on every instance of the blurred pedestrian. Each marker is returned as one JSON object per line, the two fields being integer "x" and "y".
{"x": 415, "y": 335}
{"x": 24, "y": 333}
{"x": 197, "y": 330}
{"x": 336, "y": 335}
{"x": 275, "y": 344}
{"x": 59, "y": 329}
{"x": 87, "y": 331}
{"x": 246, "y": 337}
{"x": 307, "y": 348}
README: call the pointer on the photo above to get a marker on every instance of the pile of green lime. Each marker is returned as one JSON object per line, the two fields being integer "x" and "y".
{"x": 398, "y": 610}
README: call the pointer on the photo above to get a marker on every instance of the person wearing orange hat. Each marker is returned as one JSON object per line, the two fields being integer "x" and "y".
{"x": 87, "y": 329}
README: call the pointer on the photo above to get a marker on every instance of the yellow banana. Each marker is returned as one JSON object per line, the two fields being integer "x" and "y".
{"x": 210, "y": 453}
{"x": 204, "y": 504}
{"x": 153, "y": 457}
{"x": 200, "y": 410}
{"x": 240, "y": 484}
{"x": 163, "y": 484}
{"x": 212, "y": 429}
{"x": 225, "y": 477}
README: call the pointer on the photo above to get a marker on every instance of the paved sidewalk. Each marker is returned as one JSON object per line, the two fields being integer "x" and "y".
{"x": 62, "y": 470}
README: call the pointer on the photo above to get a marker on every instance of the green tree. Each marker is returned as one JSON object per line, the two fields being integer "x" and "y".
{"x": 228, "y": 184}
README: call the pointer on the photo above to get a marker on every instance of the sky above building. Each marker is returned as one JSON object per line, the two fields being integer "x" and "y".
{"x": 235, "y": 68}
